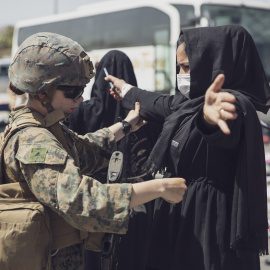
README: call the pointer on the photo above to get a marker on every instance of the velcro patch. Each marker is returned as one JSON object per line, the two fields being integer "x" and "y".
{"x": 38, "y": 155}
{"x": 175, "y": 143}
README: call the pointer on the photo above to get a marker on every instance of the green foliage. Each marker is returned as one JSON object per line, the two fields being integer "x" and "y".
{"x": 6, "y": 35}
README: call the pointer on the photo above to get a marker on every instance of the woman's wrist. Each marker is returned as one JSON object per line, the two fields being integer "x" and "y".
{"x": 126, "y": 127}
{"x": 207, "y": 120}
{"x": 125, "y": 89}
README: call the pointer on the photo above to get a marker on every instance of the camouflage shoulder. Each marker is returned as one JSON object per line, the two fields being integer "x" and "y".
{"x": 35, "y": 135}
{"x": 37, "y": 145}
{"x": 43, "y": 154}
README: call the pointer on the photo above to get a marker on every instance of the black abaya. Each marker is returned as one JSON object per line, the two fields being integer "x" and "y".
{"x": 222, "y": 220}
{"x": 102, "y": 110}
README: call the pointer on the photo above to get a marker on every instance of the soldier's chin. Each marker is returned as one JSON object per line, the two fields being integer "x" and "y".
{"x": 67, "y": 114}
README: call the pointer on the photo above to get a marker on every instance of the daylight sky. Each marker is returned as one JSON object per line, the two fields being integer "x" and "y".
{"x": 12, "y": 11}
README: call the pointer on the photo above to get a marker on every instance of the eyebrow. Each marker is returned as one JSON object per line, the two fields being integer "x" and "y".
{"x": 183, "y": 63}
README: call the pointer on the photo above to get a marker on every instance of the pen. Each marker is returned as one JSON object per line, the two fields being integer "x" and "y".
{"x": 111, "y": 84}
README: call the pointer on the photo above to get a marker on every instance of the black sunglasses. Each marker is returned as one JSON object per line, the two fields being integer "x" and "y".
{"x": 70, "y": 91}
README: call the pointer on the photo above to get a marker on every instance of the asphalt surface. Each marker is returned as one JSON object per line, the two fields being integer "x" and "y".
{"x": 265, "y": 266}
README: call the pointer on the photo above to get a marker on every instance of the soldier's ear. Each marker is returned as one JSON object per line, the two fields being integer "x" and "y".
{"x": 42, "y": 95}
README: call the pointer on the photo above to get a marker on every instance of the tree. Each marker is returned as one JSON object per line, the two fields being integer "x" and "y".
{"x": 6, "y": 35}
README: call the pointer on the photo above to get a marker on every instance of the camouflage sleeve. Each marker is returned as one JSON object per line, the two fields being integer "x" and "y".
{"x": 104, "y": 141}
{"x": 56, "y": 182}
{"x": 100, "y": 144}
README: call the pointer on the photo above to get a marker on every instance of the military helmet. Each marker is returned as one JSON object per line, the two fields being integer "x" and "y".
{"x": 45, "y": 60}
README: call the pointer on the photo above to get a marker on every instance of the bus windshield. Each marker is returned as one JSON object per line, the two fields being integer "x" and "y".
{"x": 256, "y": 21}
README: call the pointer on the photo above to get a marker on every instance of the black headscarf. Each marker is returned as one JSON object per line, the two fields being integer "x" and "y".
{"x": 229, "y": 50}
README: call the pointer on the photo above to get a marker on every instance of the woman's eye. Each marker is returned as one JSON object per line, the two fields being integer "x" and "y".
{"x": 184, "y": 67}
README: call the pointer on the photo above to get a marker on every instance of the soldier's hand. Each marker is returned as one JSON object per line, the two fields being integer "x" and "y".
{"x": 174, "y": 189}
{"x": 170, "y": 189}
{"x": 134, "y": 118}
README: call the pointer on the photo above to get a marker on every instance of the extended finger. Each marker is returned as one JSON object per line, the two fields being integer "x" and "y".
{"x": 225, "y": 115}
{"x": 141, "y": 122}
{"x": 228, "y": 107}
{"x": 137, "y": 107}
{"x": 226, "y": 97}
{"x": 217, "y": 84}
{"x": 110, "y": 78}
{"x": 114, "y": 95}
{"x": 224, "y": 127}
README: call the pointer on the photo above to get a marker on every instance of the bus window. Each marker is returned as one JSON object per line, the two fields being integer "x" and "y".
{"x": 110, "y": 30}
{"x": 4, "y": 80}
{"x": 256, "y": 21}
{"x": 163, "y": 70}
{"x": 187, "y": 15}
{"x": 4, "y": 95}
{"x": 136, "y": 31}
{"x": 3, "y": 70}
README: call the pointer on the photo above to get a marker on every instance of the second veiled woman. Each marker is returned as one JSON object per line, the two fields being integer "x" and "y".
{"x": 102, "y": 110}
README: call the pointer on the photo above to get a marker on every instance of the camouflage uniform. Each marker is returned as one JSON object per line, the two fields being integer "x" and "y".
{"x": 59, "y": 181}
{"x": 56, "y": 168}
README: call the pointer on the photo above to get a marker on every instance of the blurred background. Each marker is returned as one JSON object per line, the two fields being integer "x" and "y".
{"x": 11, "y": 12}
{"x": 146, "y": 31}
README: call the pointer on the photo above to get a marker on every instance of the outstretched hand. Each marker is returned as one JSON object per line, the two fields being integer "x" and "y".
{"x": 118, "y": 84}
{"x": 218, "y": 106}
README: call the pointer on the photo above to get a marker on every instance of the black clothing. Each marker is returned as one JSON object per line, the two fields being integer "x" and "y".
{"x": 102, "y": 110}
{"x": 222, "y": 220}
{"x": 228, "y": 50}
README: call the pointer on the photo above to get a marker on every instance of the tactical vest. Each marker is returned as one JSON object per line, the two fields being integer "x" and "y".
{"x": 63, "y": 234}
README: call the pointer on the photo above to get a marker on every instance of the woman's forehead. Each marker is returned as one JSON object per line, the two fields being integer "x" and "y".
{"x": 181, "y": 54}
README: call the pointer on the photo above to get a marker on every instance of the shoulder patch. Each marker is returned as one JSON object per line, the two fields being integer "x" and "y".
{"x": 38, "y": 154}
{"x": 31, "y": 154}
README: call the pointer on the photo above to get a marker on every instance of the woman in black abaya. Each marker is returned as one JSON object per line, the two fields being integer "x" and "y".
{"x": 103, "y": 110}
{"x": 212, "y": 138}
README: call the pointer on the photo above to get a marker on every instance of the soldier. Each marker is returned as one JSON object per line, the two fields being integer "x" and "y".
{"x": 55, "y": 162}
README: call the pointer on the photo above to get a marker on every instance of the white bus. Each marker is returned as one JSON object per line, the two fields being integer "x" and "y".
{"x": 147, "y": 31}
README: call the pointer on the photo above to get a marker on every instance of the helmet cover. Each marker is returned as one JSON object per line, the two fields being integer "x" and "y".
{"x": 45, "y": 60}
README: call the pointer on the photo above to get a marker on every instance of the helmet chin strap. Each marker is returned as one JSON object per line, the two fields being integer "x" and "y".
{"x": 46, "y": 101}
{"x": 53, "y": 117}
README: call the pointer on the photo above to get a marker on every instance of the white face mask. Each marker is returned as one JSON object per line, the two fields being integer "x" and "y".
{"x": 183, "y": 84}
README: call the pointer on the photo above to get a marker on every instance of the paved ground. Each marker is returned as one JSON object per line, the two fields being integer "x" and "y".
{"x": 264, "y": 266}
